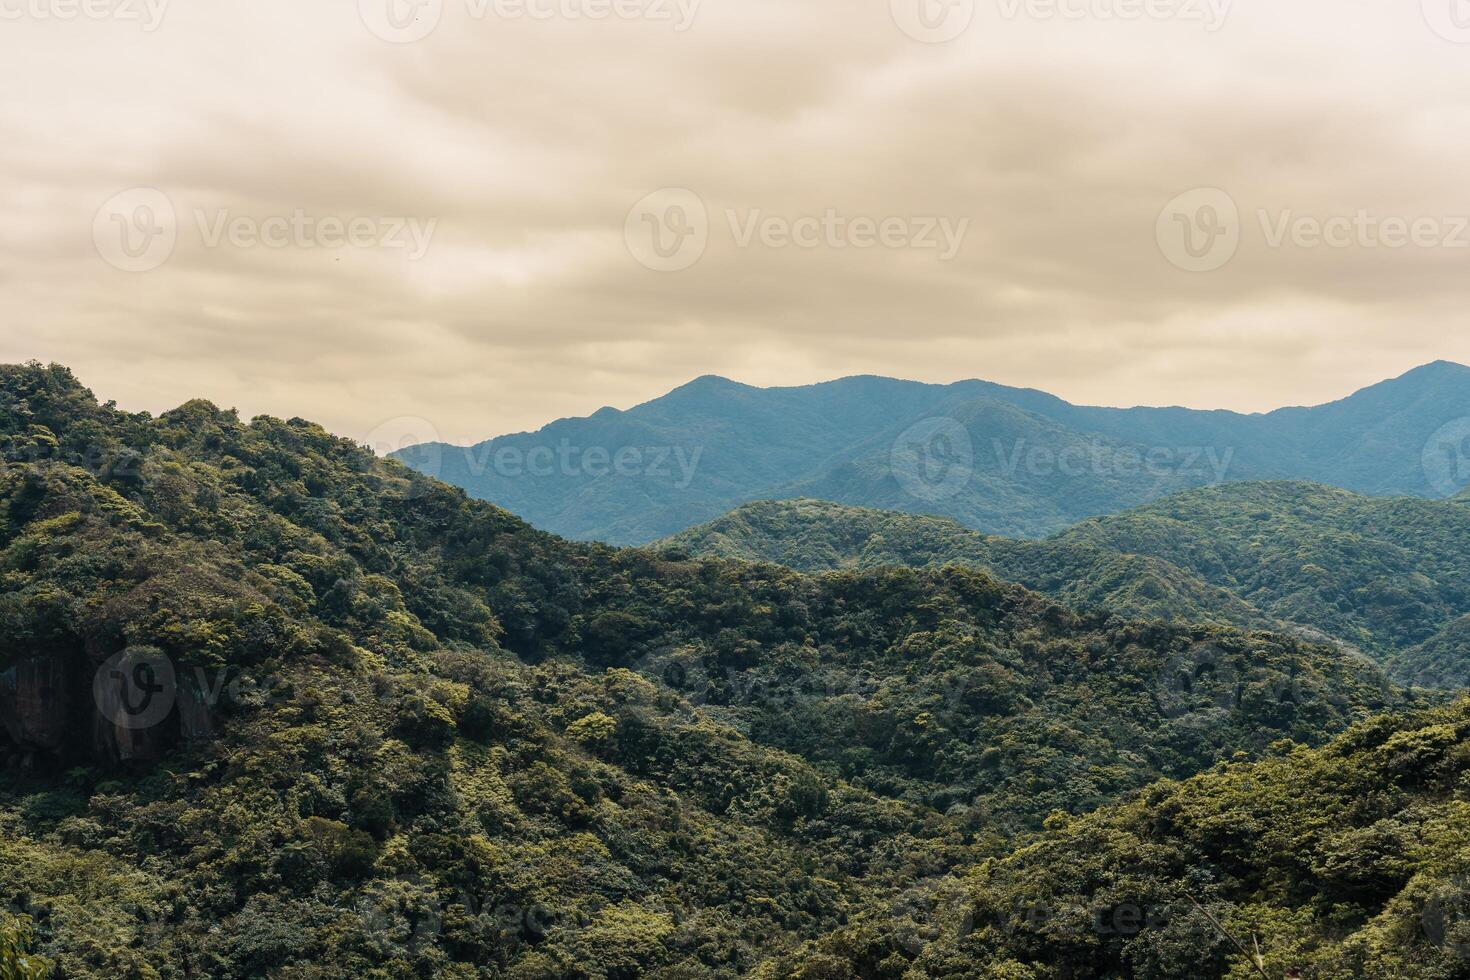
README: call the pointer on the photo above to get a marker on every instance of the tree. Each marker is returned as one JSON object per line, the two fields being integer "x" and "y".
{"x": 15, "y": 962}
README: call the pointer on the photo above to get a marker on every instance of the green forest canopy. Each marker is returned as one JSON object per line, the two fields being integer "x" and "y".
{"x": 405, "y": 735}
{"x": 1386, "y": 575}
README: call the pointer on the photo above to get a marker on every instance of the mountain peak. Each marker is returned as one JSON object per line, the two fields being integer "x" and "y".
{"x": 1437, "y": 369}
{"x": 711, "y": 382}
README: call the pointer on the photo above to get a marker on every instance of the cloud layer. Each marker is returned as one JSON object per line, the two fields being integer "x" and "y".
{"x": 290, "y": 150}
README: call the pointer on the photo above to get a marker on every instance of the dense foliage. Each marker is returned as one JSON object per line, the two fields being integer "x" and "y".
{"x": 17, "y": 962}
{"x": 1390, "y": 576}
{"x": 1004, "y": 460}
{"x": 819, "y": 536}
{"x": 1385, "y": 574}
{"x": 1348, "y": 861}
{"x": 275, "y": 708}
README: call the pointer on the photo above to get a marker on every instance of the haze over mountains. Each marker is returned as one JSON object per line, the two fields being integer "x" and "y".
{"x": 1001, "y": 460}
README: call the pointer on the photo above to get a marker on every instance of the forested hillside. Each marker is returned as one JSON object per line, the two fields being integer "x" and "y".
{"x": 275, "y": 708}
{"x": 1388, "y": 575}
{"x": 1000, "y": 460}
{"x": 819, "y": 536}
{"x": 1348, "y": 861}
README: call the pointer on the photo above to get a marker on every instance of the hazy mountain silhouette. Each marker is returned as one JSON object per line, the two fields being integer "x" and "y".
{"x": 1002, "y": 460}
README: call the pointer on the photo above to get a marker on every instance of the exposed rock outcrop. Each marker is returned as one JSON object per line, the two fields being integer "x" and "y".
{"x": 36, "y": 703}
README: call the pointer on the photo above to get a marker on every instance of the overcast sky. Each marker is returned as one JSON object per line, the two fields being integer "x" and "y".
{"x": 492, "y": 213}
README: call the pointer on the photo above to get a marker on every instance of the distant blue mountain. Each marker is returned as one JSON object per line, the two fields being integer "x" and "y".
{"x": 1002, "y": 460}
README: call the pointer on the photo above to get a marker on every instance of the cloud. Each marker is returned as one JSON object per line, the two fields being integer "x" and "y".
{"x": 1058, "y": 132}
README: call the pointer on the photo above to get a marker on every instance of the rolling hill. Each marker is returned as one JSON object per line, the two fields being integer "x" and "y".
{"x": 819, "y": 536}
{"x": 1348, "y": 861}
{"x": 273, "y": 707}
{"x": 1388, "y": 575}
{"x": 1001, "y": 460}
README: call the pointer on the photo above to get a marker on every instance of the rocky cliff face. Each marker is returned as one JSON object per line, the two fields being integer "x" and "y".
{"x": 36, "y": 705}
{"x": 128, "y": 708}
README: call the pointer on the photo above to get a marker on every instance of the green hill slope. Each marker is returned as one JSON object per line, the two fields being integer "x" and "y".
{"x": 273, "y": 707}
{"x": 1384, "y": 574}
{"x": 1388, "y": 575}
{"x": 1348, "y": 861}
{"x": 816, "y": 536}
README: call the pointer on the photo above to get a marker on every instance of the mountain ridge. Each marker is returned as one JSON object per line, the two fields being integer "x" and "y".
{"x": 1032, "y": 464}
{"x": 1436, "y": 368}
